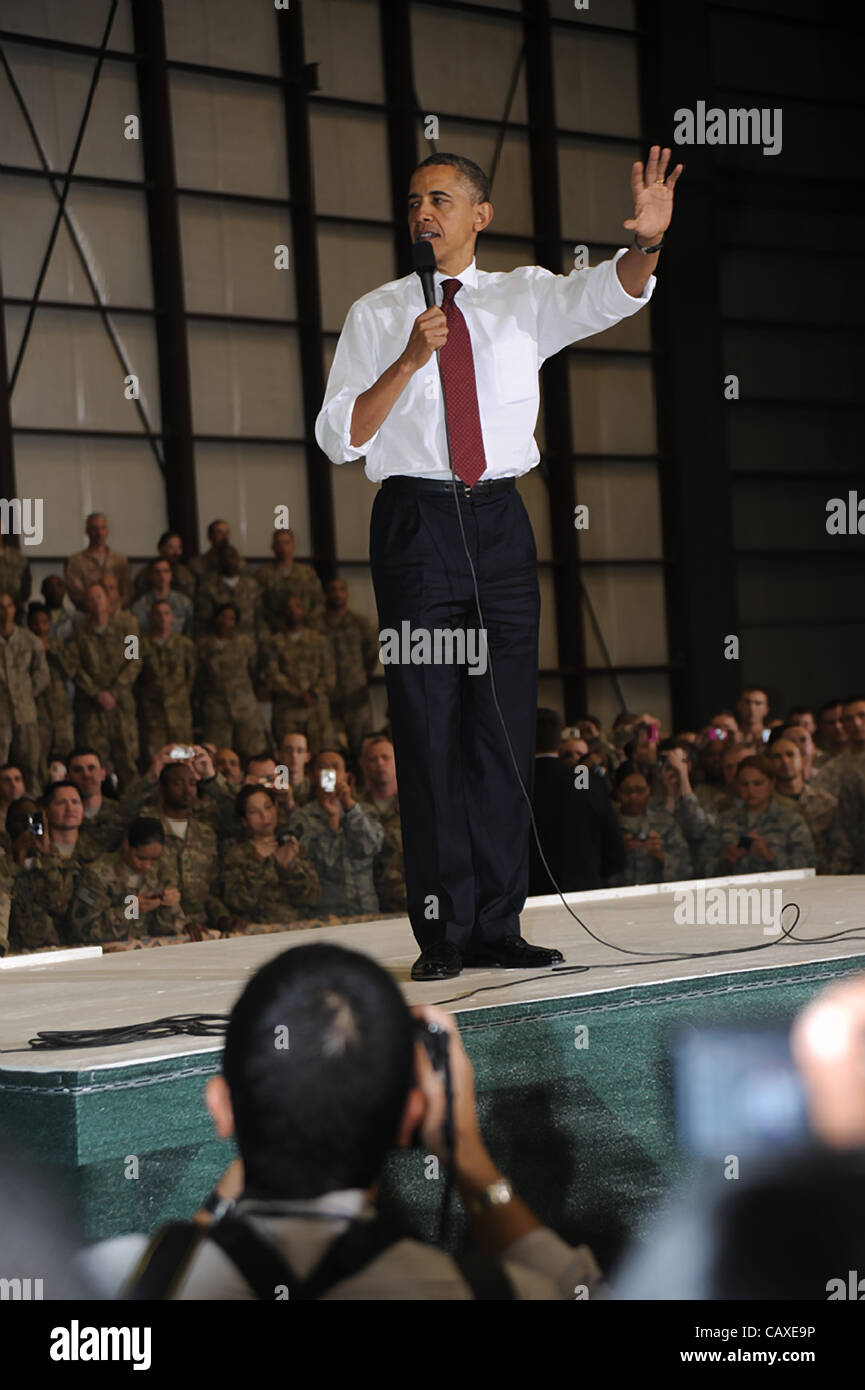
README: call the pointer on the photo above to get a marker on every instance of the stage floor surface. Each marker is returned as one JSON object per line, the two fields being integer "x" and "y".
{"x": 101, "y": 991}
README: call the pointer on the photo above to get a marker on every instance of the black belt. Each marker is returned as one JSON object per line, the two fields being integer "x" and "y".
{"x": 402, "y": 482}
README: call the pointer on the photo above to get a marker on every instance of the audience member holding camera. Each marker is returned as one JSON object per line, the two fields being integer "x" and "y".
{"x": 342, "y": 838}
{"x": 127, "y": 894}
{"x": 758, "y": 834}
{"x": 655, "y": 846}
{"x": 51, "y": 856}
{"x": 314, "y": 1123}
{"x": 268, "y": 876}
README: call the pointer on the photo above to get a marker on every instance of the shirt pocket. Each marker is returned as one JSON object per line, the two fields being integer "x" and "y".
{"x": 516, "y": 369}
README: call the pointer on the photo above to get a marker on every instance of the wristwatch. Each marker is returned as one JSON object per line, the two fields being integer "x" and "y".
{"x": 647, "y": 250}
{"x": 498, "y": 1194}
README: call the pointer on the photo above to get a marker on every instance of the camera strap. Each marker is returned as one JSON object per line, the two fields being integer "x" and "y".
{"x": 264, "y": 1268}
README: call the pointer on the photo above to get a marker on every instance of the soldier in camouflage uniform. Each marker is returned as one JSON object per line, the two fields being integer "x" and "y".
{"x": 778, "y": 838}
{"x": 354, "y": 645}
{"x": 49, "y": 867}
{"x": 294, "y": 755}
{"x": 219, "y": 534}
{"x": 23, "y": 677}
{"x": 15, "y": 577}
{"x": 342, "y": 838}
{"x": 169, "y": 547}
{"x": 656, "y": 848}
{"x": 819, "y": 808}
{"x": 104, "y": 823}
{"x": 299, "y": 673}
{"x": 53, "y": 709}
{"x": 90, "y": 566}
{"x": 8, "y": 873}
{"x": 380, "y": 795}
{"x": 160, "y": 589}
{"x": 106, "y": 670}
{"x": 129, "y": 893}
{"x": 164, "y": 689}
{"x": 60, "y": 608}
{"x": 223, "y": 585}
{"x": 227, "y": 670}
{"x": 267, "y": 877}
{"x": 283, "y": 576}
{"x": 191, "y": 855}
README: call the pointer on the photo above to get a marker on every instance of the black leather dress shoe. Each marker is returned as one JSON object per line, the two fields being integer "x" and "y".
{"x": 512, "y": 952}
{"x": 439, "y": 962}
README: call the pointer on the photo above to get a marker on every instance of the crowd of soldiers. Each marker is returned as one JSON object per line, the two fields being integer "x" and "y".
{"x": 748, "y": 793}
{"x": 187, "y": 750}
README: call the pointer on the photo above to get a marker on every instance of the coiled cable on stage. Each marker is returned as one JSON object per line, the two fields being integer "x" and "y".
{"x": 174, "y": 1026}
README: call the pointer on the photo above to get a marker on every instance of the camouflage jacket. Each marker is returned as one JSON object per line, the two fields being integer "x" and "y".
{"x": 389, "y": 866}
{"x": 85, "y": 568}
{"x": 643, "y": 867}
{"x": 214, "y": 590}
{"x": 23, "y": 676}
{"x": 276, "y": 586}
{"x": 227, "y": 669}
{"x": 102, "y": 663}
{"x": 343, "y": 858}
{"x": 15, "y": 577}
{"x": 785, "y": 832}
{"x": 103, "y": 831}
{"x": 42, "y": 898}
{"x": 105, "y": 908}
{"x": 261, "y": 890}
{"x": 298, "y": 663}
{"x": 354, "y": 645}
{"x": 849, "y": 856}
{"x": 192, "y": 862}
{"x": 167, "y": 672}
{"x": 820, "y": 811}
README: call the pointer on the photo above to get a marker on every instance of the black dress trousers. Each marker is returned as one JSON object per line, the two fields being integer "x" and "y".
{"x": 465, "y": 821}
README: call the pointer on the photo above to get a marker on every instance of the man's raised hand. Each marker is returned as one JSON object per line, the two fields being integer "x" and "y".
{"x": 653, "y": 195}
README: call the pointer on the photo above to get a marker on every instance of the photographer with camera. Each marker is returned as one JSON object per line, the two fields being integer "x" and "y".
{"x": 129, "y": 893}
{"x": 758, "y": 834}
{"x": 655, "y": 846}
{"x": 342, "y": 838}
{"x": 314, "y": 1122}
{"x": 50, "y": 855}
{"x": 267, "y": 876}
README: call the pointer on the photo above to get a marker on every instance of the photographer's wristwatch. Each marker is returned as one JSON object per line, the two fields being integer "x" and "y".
{"x": 498, "y": 1194}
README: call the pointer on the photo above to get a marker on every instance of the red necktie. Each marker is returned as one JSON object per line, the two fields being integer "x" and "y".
{"x": 461, "y": 396}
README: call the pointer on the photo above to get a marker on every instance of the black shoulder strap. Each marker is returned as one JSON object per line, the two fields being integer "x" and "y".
{"x": 166, "y": 1260}
{"x": 162, "y": 1267}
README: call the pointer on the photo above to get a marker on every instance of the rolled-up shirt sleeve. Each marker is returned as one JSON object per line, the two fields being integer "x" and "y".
{"x": 571, "y": 307}
{"x": 354, "y": 371}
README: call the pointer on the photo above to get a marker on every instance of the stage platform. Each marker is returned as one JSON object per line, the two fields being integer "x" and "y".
{"x": 570, "y": 1063}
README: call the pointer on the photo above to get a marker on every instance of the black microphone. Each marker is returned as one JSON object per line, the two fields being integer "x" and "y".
{"x": 424, "y": 262}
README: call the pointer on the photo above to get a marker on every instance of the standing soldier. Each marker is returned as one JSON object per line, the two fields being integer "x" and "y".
{"x": 225, "y": 584}
{"x": 283, "y": 575}
{"x": 90, "y": 566}
{"x": 219, "y": 534}
{"x": 164, "y": 691}
{"x": 300, "y": 675}
{"x": 15, "y": 577}
{"x": 169, "y": 547}
{"x": 227, "y": 669}
{"x": 53, "y": 708}
{"x": 355, "y": 653}
{"x": 23, "y": 677}
{"x": 107, "y": 667}
{"x": 159, "y": 572}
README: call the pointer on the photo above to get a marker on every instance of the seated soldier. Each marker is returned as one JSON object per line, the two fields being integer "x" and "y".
{"x": 655, "y": 846}
{"x": 50, "y": 856}
{"x": 758, "y": 834}
{"x": 342, "y": 838}
{"x": 229, "y": 768}
{"x": 103, "y": 823}
{"x": 191, "y": 853}
{"x": 380, "y": 792}
{"x": 12, "y": 788}
{"x": 127, "y": 894}
{"x": 267, "y": 876}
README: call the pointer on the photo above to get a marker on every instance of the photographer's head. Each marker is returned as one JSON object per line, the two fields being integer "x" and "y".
{"x": 318, "y": 1074}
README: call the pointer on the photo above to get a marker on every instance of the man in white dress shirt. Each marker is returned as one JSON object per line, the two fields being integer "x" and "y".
{"x": 465, "y": 819}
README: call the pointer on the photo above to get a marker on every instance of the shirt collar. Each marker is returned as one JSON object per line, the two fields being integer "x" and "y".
{"x": 469, "y": 276}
